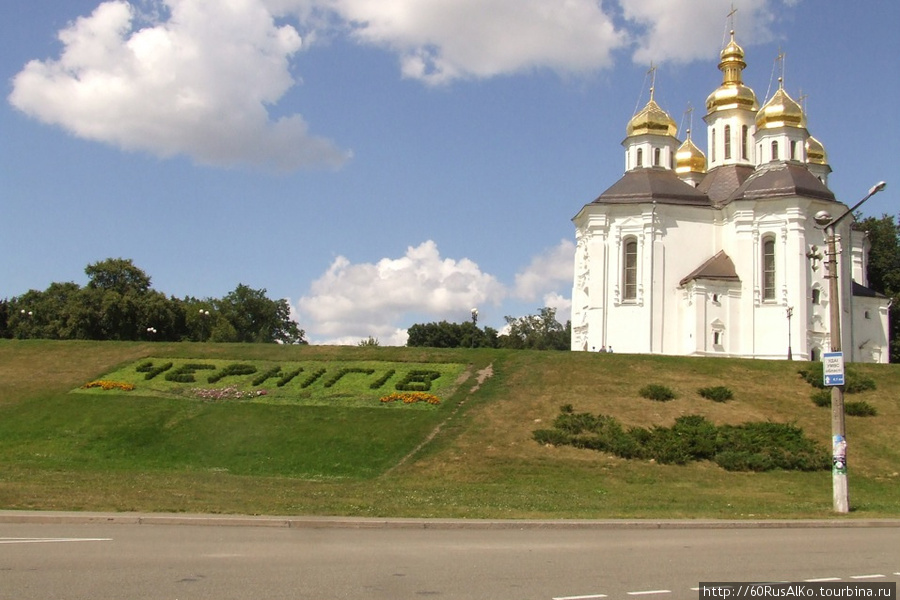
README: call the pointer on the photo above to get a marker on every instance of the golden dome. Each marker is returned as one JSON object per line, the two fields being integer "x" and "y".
{"x": 815, "y": 152}
{"x": 689, "y": 158}
{"x": 732, "y": 93}
{"x": 651, "y": 120}
{"x": 780, "y": 111}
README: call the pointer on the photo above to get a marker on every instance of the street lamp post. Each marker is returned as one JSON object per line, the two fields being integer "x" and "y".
{"x": 840, "y": 494}
{"x": 790, "y": 313}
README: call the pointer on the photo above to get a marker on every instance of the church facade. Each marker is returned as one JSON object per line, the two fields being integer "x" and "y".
{"x": 686, "y": 255}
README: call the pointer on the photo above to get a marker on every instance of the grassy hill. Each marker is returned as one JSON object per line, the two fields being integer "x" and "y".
{"x": 339, "y": 450}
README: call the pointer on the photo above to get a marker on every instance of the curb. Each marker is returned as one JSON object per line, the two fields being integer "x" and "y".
{"x": 89, "y": 518}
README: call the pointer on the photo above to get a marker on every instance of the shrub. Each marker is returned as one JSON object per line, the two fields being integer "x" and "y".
{"x": 821, "y": 398}
{"x": 859, "y": 408}
{"x": 748, "y": 447}
{"x": 150, "y": 371}
{"x": 185, "y": 373}
{"x": 660, "y": 393}
{"x": 382, "y": 380}
{"x": 233, "y": 369}
{"x": 273, "y": 372}
{"x": 287, "y": 378}
{"x": 311, "y": 379}
{"x": 716, "y": 394}
{"x": 417, "y": 380}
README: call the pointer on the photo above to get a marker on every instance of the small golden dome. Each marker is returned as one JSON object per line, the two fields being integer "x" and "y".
{"x": 780, "y": 111}
{"x": 815, "y": 152}
{"x": 651, "y": 120}
{"x": 732, "y": 93}
{"x": 689, "y": 158}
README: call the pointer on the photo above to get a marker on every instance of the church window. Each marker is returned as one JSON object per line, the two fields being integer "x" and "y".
{"x": 867, "y": 315}
{"x": 768, "y": 274}
{"x": 712, "y": 150}
{"x": 793, "y": 150}
{"x": 815, "y": 354}
{"x": 727, "y": 142}
{"x": 657, "y": 153}
{"x": 717, "y": 338}
{"x": 629, "y": 270}
{"x": 745, "y": 136}
{"x": 775, "y": 150}
{"x": 816, "y": 296}
{"x": 640, "y": 157}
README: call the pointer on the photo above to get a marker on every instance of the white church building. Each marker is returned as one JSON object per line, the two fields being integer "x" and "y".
{"x": 721, "y": 256}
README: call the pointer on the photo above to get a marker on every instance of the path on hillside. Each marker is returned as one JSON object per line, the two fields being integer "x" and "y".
{"x": 482, "y": 376}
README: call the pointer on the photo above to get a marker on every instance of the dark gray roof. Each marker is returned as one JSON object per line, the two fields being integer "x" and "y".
{"x": 654, "y": 184}
{"x": 719, "y": 184}
{"x": 720, "y": 267}
{"x": 781, "y": 179}
{"x": 866, "y": 292}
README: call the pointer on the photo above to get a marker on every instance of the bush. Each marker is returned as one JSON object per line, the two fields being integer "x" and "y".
{"x": 748, "y": 447}
{"x": 716, "y": 394}
{"x": 273, "y": 372}
{"x": 660, "y": 393}
{"x": 185, "y": 373}
{"x": 233, "y": 369}
{"x": 821, "y": 398}
{"x": 417, "y": 381}
{"x": 859, "y": 408}
{"x": 854, "y": 382}
{"x": 150, "y": 371}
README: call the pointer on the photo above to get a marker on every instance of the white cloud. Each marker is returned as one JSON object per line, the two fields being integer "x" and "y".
{"x": 547, "y": 272}
{"x": 686, "y": 30}
{"x": 198, "y": 83}
{"x": 354, "y": 301}
{"x": 442, "y": 40}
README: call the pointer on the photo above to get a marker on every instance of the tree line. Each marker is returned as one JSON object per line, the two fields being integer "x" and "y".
{"x": 533, "y": 332}
{"x": 118, "y": 303}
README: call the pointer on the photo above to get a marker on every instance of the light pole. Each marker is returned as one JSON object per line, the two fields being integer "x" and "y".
{"x": 840, "y": 495}
{"x": 790, "y": 313}
{"x": 474, "y": 324}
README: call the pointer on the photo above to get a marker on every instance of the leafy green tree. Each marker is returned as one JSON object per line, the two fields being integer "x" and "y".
{"x": 537, "y": 332}
{"x": 254, "y": 318}
{"x": 450, "y": 335}
{"x": 117, "y": 275}
{"x": 884, "y": 269}
{"x": 369, "y": 341}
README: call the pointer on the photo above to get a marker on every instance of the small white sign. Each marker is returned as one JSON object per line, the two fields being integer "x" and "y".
{"x": 833, "y": 368}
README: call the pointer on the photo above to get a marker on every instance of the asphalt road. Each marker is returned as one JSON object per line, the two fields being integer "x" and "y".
{"x": 410, "y": 560}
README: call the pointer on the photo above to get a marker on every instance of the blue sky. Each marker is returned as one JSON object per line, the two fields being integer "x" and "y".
{"x": 380, "y": 164}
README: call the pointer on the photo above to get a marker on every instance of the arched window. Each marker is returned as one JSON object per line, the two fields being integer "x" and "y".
{"x": 816, "y": 296}
{"x": 815, "y": 354}
{"x": 775, "y": 150}
{"x": 629, "y": 269}
{"x": 745, "y": 134}
{"x": 793, "y": 150}
{"x": 768, "y": 269}
{"x": 657, "y": 154}
{"x": 712, "y": 149}
{"x": 727, "y": 142}
{"x": 640, "y": 157}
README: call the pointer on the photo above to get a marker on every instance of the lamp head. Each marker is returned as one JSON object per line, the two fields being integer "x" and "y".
{"x": 822, "y": 218}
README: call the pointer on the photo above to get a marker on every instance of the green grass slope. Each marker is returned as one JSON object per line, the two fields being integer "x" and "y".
{"x": 342, "y": 452}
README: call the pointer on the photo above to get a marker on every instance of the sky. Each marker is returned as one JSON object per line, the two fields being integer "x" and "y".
{"x": 384, "y": 163}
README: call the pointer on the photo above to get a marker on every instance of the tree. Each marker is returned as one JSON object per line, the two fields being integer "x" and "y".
{"x": 884, "y": 269}
{"x": 117, "y": 275}
{"x": 450, "y": 335}
{"x": 537, "y": 332}
{"x": 254, "y": 318}
{"x": 369, "y": 341}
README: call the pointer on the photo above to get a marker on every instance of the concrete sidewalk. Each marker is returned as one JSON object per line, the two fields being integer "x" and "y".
{"x": 81, "y": 518}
